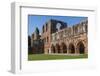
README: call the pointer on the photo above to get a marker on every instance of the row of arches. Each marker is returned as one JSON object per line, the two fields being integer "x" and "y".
{"x": 63, "y": 48}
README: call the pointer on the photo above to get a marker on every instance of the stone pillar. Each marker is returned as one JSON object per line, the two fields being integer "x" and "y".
{"x": 68, "y": 50}
{"x": 86, "y": 50}
{"x": 50, "y": 51}
{"x": 61, "y": 49}
{"x": 76, "y": 50}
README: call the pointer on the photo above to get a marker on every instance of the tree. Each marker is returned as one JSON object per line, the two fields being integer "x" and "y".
{"x": 29, "y": 45}
{"x": 29, "y": 41}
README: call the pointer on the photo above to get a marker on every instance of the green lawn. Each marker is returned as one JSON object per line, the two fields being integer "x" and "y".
{"x": 54, "y": 57}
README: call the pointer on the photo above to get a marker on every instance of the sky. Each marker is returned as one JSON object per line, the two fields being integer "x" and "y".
{"x": 39, "y": 20}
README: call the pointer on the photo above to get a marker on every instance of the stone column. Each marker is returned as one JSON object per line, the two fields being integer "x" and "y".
{"x": 68, "y": 50}
{"x": 86, "y": 50}
{"x": 50, "y": 51}
{"x": 61, "y": 49}
{"x": 76, "y": 50}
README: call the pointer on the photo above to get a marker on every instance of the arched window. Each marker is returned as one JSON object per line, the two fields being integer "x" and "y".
{"x": 58, "y": 26}
{"x": 47, "y": 39}
{"x": 84, "y": 29}
{"x": 76, "y": 29}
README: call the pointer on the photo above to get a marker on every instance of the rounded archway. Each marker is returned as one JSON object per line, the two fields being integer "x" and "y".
{"x": 53, "y": 49}
{"x": 81, "y": 48}
{"x": 64, "y": 48}
{"x": 71, "y": 48}
{"x": 57, "y": 48}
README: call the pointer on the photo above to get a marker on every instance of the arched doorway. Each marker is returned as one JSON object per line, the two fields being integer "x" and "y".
{"x": 53, "y": 49}
{"x": 81, "y": 48}
{"x": 57, "y": 48}
{"x": 71, "y": 48}
{"x": 64, "y": 47}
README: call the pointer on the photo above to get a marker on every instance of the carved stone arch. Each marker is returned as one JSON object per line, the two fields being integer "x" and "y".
{"x": 80, "y": 40}
{"x": 71, "y": 48}
{"x": 57, "y": 48}
{"x": 63, "y": 47}
{"x": 53, "y": 49}
{"x": 80, "y": 47}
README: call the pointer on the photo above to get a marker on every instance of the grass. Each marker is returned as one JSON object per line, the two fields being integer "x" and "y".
{"x": 54, "y": 57}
